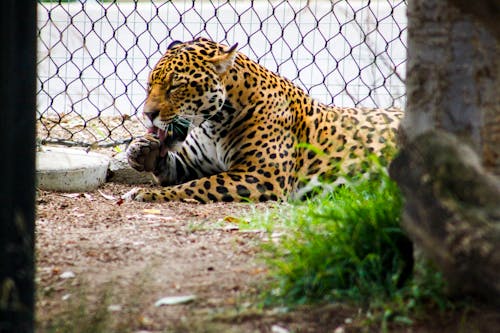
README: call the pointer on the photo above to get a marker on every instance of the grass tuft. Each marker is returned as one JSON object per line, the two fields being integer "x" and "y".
{"x": 347, "y": 245}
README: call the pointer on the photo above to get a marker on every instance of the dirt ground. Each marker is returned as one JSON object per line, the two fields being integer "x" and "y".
{"x": 98, "y": 257}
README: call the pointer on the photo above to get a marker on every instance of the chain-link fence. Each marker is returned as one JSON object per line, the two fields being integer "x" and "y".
{"x": 94, "y": 56}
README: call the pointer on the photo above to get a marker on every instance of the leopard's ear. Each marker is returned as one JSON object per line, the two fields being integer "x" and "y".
{"x": 174, "y": 43}
{"x": 225, "y": 60}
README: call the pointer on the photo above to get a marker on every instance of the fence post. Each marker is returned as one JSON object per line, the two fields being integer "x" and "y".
{"x": 17, "y": 166}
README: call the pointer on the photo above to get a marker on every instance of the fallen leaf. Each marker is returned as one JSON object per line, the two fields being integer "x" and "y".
{"x": 173, "y": 300}
{"x": 107, "y": 196}
{"x": 114, "y": 308}
{"x": 72, "y": 195}
{"x": 253, "y": 231}
{"x": 145, "y": 321}
{"x": 232, "y": 219}
{"x": 278, "y": 329}
{"x": 67, "y": 275}
{"x": 230, "y": 301}
{"x": 152, "y": 211}
{"x": 339, "y": 329}
{"x": 231, "y": 228}
{"x": 258, "y": 270}
{"x": 88, "y": 196}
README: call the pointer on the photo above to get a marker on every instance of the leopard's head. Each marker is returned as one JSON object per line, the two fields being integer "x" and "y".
{"x": 185, "y": 88}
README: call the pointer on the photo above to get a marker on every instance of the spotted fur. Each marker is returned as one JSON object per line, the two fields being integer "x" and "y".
{"x": 223, "y": 128}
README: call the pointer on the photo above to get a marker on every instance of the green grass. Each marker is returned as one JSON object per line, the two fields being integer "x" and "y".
{"x": 348, "y": 246}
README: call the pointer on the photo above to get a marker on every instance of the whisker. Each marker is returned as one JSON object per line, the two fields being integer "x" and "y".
{"x": 183, "y": 121}
{"x": 170, "y": 130}
{"x": 193, "y": 118}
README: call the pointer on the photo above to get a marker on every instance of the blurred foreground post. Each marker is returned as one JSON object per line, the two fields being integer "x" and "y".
{"x": 449, "y": 166}
{"x": 17, "y": 164}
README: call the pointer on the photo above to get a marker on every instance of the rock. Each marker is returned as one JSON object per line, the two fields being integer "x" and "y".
{"x": 121, "y": 172}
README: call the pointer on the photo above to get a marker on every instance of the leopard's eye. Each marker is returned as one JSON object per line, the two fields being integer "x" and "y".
{"x": 174, "y": 87}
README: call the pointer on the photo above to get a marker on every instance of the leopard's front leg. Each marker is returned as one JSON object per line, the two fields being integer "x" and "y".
{"x": 226, "y": 186}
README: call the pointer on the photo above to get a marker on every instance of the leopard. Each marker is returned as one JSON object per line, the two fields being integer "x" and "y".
{"x": 223, "y": 128}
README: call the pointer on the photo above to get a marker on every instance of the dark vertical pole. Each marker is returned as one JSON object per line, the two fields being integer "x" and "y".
{"x": 17, "y": 164}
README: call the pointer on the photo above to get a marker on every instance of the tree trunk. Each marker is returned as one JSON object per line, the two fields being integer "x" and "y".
{"x": 453, "y": 78}
{"x": 17, "y": 167}
{"x": 452, "y": 211}
{"x": 451, "y": 145}
{"x": 486, "y": 11}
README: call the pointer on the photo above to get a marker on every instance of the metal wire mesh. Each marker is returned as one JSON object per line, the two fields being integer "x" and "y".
{"x": 94, "y": 56}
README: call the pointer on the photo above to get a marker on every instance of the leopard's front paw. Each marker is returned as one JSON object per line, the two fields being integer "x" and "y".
{"x": 145, "y": 195}
{"x": 135, "y": 194}
{"x": 143, "y": 153}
